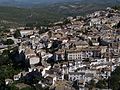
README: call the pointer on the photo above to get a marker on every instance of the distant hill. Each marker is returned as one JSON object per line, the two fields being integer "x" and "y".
{"x": 46, "y": 11}
{"x": 25, "y": 15}
{"x": 30, "y": 3}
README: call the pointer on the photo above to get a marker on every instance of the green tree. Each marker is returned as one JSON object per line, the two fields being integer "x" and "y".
{"x": 6, "y": 70}
{"x": 66, "y": 21}
{"x": 102, "y": 84}
{"x": 116, "y": 7}
{"x": 4, "y": 58}
{"x": 115, "y": 79}
{"x": 75, "y": 85}
{"x": 118, "y": 25}
{"x": 91, "y": 84}
{"x": 50, "y": 34}
{"x": 13, "y": 87}
{"x": 27, "y": 88}
{"x": 8, "y": 42}
{"x": 17, "y": 34}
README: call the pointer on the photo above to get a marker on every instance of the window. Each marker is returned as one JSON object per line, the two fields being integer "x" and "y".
{"x": 70, "y": 78}
{"x": 70, "y": 58}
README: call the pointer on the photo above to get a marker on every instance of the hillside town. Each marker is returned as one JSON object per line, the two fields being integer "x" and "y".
{"x": 71, "y": 54}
